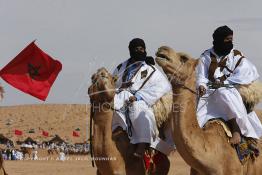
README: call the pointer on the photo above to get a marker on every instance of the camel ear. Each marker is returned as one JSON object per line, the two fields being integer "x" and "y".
{"x": 115, "y": 78}
{"x": 196, "y": 62}
{"x": 183, "y": 57}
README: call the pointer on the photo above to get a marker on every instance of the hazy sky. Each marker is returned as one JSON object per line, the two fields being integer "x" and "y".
{"x": 85, "y": 35}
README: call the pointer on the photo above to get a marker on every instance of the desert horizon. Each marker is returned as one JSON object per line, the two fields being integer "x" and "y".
{"x": 56, "y": 119}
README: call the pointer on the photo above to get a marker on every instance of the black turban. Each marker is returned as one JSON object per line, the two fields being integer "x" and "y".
{"x": 135, "y": 43}
{"x": 220, "y": 46}
{"x": 137, "y": 55}
{"x": 221, "y": 33}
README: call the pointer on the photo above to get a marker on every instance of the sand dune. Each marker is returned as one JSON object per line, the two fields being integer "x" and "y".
{"x": 55, "y": 119}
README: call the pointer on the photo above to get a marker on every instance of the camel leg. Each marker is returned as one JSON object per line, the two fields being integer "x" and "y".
{"x": 4, "y": 171}
{"x": 162, "y": 167}
{"x": 193, "y": 172}
{"x": 121, "y": 140}
{"x": 135, "y": 166}
{"x": 98, "y": 173}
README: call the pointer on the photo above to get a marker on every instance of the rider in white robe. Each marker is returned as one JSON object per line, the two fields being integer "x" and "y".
{"x": 225, "y": 102}
{"x": 147, "y": 84}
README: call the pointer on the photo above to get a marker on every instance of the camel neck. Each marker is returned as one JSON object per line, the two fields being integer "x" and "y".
{"x": 103, "y": 130}
{"x": 187, "y": 133}
{"x": 104, "y": 146}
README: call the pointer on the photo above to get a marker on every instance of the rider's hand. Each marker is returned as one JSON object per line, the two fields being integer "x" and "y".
{"x": 132, "y": 99}
{"x": 201, "y": 90}
{"x": 218, "y": 83}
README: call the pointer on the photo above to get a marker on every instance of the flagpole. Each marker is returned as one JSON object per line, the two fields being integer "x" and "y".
{"x": 90, "y": 133}
{"x": 86, "y": 125}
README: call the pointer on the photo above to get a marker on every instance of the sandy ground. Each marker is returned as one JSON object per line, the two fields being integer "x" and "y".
{"x": 61, "y": 120}
{"x": 75, "y": 165}
{"x": 56, "y": 119}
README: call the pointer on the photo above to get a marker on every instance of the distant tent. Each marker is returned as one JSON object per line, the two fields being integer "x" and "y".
{"x": 29, "y": 140}
{"x": 56, "y": 140}
{"x": 4, "y": 140}
{"x": 31, "y": 131}
{"x": 18, "y": 142}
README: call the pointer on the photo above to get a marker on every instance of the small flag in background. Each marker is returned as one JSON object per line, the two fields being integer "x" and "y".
{"x": 18, "y": 132}
{"x": 75, "y": 134}
{"x": 45, "y": 133}
{"x": 32, "y": 71}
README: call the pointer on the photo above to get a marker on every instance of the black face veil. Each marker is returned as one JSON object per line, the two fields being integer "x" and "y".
{"x": 221, "y": 47}
{"x": 137, "y": 55}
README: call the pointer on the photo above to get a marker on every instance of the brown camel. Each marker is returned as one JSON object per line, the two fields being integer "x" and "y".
{"x": 207, "y": 150}
{"x": 113, "y": 153}
{"x": 2, "y": 170}
{"x": 26, "y": 150}
{"x": 52, "y": 151}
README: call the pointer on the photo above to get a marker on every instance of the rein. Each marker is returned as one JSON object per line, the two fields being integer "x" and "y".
{"x": 182, "y": 85}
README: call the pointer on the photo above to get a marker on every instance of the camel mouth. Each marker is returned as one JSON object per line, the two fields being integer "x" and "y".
{"x": 162, "y": 56}
{"x": 100, "y": 78}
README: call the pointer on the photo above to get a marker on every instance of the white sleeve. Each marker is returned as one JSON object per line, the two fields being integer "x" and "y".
{"x": 116, "y": 75}
{"x": 202, "y": 72}
{"x": 155, "y": 88}
{"x": 245, "y": 73}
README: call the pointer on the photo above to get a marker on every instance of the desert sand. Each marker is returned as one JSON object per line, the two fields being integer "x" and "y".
{"x": 61, "y": 120}
{"x": 55, "y": 119}
{"x": 75, "y": 165}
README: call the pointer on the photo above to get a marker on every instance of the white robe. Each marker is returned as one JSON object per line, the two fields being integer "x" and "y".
{"x": 226, "y": 102}
{"x": 144, "y": 127}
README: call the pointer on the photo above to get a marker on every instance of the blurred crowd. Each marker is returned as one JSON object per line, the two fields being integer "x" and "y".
{"x": 30, "y": 150}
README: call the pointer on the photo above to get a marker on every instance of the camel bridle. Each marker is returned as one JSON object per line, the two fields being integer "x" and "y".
{"x": 180, "y": 84}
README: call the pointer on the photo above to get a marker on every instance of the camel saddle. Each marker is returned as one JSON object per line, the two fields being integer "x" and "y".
{"x": 246, "y": 149}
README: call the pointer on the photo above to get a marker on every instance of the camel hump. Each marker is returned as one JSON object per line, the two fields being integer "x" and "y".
{"x": 163, "y": 108}
{"x": 251, "y": 94}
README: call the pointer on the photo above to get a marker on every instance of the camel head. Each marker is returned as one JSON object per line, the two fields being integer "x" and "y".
{"x": 177, "y": 66}
{"x": 102, "y": 89}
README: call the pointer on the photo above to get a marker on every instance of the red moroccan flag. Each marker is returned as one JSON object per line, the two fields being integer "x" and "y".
{"x": 75, "y": 134}
{"x": 32, "y": 71}
{"x": 45, "y": 133}
{"x": 18, "y": 132}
